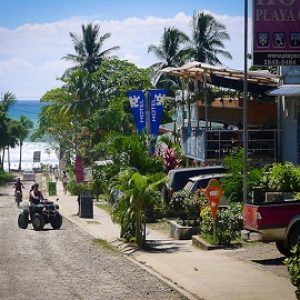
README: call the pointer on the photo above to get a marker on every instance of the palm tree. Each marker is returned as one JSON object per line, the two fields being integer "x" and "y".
{"x": 25, "y": 125}
{"x": 207, "y": 39}
{"x": 88, "y": 48}
{"x": 7, "y": 100}
{"x": 169, "y": 51}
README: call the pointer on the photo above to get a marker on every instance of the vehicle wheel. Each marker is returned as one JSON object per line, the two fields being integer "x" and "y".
{"x": 294, "y": 237}
{"x": 23, "y": 221}
{"x": 56, "y": 221}
{"x": 282, "y": 248}
{"x": 18, "y": 198}
{"x": 38, "y": 222}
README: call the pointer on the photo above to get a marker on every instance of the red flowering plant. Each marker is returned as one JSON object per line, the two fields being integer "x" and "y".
{"x": 170, "y": 159}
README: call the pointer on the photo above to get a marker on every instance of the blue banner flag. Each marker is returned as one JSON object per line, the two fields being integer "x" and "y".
{"x": 137, "y": 103}
{"x": 156, "y": 108}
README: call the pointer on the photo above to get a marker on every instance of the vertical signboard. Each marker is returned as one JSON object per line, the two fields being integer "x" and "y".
{"x": 79, "y": 169}
{"x": 156, "y": 108}
{"x": 276, "y": 32}
{"x": 193, "y": 143}
{"x": 36, "y": 156}
{"x": 137, "y": 103}
{"x": 290, "y": 75}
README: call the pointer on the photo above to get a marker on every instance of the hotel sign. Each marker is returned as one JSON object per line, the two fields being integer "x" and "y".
{"x": 276, "y": 32}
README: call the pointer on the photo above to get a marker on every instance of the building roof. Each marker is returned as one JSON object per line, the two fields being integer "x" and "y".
{"x": 258, "y": 81}
{"x": 288, "y": 90}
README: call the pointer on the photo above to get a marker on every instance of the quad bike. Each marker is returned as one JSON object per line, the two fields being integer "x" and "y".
{"x": 18, "y": 198}
{"x": 39, "y": 215}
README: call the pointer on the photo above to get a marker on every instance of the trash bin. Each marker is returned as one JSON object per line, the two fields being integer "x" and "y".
{"x": 52, "y": 189}
{"x": 86, "y": 209}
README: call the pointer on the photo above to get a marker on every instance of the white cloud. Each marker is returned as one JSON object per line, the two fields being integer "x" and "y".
{"x": 30, "y": 55}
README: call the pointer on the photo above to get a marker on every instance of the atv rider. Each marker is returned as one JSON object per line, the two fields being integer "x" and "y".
{"x": 35, "y": 195}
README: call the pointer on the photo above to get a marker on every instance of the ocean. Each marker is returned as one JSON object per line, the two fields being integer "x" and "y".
{"x": 30, "y": 109}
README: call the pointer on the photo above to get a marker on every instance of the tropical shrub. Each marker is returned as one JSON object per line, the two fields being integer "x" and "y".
{"x": 283, "y": 177}
{"x": 227, "y": 224}
{"x": 232, "y": 183}
{"x": 184, "y": 207}
{"x": 5, "y": 177}
{"x": 137, "y": 194}
{"x": 75, "y": 188}
{"x": 293, "y": 265}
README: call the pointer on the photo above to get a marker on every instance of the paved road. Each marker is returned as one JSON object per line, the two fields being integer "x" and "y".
{"x": 66, "y": 264}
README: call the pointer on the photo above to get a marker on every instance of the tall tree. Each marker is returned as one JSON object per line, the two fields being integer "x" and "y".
{"x": 25, "y": 125}
{"x": 208, "y": 36}
{"x": 7, "y": 100}
{"x": 169, "y": 51}
{"x": 89, "y": 54}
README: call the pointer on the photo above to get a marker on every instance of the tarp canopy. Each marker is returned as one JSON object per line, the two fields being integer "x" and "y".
{"x": 258, "y": 81}
{"x": 289, "y": 90}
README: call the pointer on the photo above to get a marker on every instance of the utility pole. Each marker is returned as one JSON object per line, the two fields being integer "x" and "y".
{"x": 245, "y": 104}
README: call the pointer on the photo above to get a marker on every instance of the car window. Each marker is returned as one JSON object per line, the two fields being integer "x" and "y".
{"x": 189, "y": 185}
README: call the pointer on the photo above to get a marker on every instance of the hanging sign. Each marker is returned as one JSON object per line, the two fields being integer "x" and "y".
{"x": 137, "y": 103}
{"x": 276, "y": 32}
{"x": 156, "y": 98}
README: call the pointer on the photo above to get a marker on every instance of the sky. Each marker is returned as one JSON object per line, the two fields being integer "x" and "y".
{"x": 34, "y": 34}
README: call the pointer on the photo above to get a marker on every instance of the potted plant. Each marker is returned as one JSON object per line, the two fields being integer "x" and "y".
{"x": 186, "y": 210}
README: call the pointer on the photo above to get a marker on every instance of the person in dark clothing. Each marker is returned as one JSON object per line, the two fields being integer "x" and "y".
{"x": 19, "y": 186}
{"x": 35, "y": 197}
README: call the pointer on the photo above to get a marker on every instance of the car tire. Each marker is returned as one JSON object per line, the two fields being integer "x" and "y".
{"x": 56, "y": 221}
{"x": 294, "y": 237}
{"x": 23, "y": 221}
{"x": 38, "y": 222}
{"x": 282, "y": 248}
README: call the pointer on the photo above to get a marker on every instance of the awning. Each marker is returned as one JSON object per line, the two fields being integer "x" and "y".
{"x": 286, "y": 90}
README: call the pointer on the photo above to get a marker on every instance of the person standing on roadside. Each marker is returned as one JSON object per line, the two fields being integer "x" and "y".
{"x": 56, "y": 174}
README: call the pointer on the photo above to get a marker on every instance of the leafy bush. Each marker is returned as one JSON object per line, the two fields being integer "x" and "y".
{"x": 5, "y": 177}
{"x": 293, "y": 264}
{"x": 232, "y": 184}
{"x": 75, "y": 188}
{"x": 284, "y": 177}
{"x": 184, "y": 206}
{"x": 227, "y": 224}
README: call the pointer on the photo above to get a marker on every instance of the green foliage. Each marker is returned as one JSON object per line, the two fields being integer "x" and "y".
{"x": 75, "y": 188}
{"x": 5, "y": 177}
{"x": 227, "y": 224}
{"x": 138, "y": 193}
{"x": 232, "y": 183}
{"x": 284, "y": 177}
{"x": 293, "y": 265}
{"x": 184, "y": 206}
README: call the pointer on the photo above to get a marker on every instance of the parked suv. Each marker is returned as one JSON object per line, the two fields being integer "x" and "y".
{"x": 177, "y": 178}
{"x": 201, "y": 182}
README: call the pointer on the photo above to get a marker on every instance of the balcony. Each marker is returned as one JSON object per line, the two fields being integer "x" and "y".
{"x": 205, "y": 145}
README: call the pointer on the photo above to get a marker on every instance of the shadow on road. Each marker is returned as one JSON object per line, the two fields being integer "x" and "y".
{"x": 164, "y": 246}
{"x": 270, "y": 262}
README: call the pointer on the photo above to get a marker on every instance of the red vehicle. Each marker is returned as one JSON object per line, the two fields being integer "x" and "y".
{"x": 275, "y": 222}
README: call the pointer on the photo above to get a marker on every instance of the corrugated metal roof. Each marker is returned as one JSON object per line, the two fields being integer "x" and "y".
{"x": 286, "y": 90}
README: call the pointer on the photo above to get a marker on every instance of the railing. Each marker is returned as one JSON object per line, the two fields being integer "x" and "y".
{"x": 262, "y": 145}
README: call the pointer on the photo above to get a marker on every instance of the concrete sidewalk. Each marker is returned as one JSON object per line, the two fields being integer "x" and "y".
{"x": 196, "y": 273}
